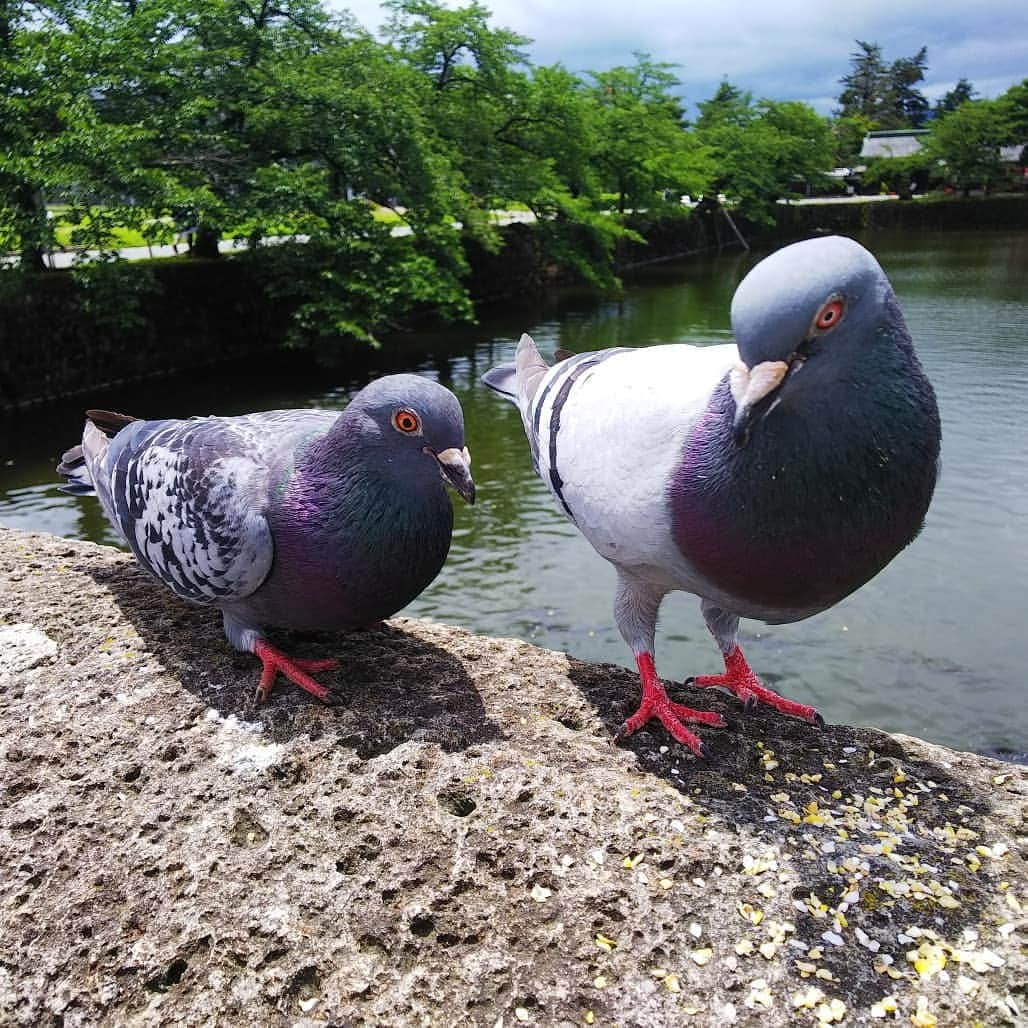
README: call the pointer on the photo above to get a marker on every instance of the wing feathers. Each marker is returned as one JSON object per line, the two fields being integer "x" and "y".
{"x": 188, "y": 497}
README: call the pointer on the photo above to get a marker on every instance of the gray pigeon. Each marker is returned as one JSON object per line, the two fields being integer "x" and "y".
{"x": 771, "y": 478}
{"x": 304, "y": 519}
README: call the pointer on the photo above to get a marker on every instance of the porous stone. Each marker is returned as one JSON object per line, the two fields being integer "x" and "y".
{"x": 458, "y": 840}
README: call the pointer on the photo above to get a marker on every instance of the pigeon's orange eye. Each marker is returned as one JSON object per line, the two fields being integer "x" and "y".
{"x": 406, "y": 421}
{"x": 829, "y": 314}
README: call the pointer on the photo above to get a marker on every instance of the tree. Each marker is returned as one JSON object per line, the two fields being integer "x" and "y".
{"x": 884, "y": 94}
{"x": 516, "y": 136}
{"x": 1014, "y": 109}
{"x": 258, "y": 119}
{"x": 762, "y": 151}
{"x": 906, "y": 104}
{"x": 902, "y": 175}
{"x": 849, "y": 131}
{"x": 475, "y": 82}
{"x": 968, "y": 142}
{"x": 865, "y": 85}
{"x": 953, "y": 98}
{"x": 43, "y": 75}
{"x": 641, "y": 147}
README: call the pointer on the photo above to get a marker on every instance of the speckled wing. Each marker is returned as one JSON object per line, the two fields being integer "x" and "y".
{"x": 189, "y": 497}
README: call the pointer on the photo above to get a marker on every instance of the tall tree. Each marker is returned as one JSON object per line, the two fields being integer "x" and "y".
{"x": 641, "y": 146}
{"x": 906, "y": 104}
{"x": 968, "y": 142}
{"x": 885, "y": 94}
{"x": 762, "y": 151}
{"x": 43, "y": 74}
{"x": 953, "y": 98}
{"x": 1014, "y": 107}
{"x": 475, "y": 75}
{"x": 865, "y": 84}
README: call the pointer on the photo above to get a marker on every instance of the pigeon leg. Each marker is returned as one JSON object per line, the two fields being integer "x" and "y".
{"x": 740, "y": 680}
{"x": 657, "y": 704}
{"x": 295, "y": 669}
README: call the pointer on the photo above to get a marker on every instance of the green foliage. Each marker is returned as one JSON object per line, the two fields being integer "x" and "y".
{"x": 953, "y": 98}
{"x": 1013, "y": 106}
{"x": 849, "y": 131}
{"x": 113, "y": 295}
{"x": 354, "y": 276}
{"x": 161, "y": 114}
{"x": 908, "y": 104}
{"x": 883, "y": 93}
{"x": 640, "y": 145}
{"x": 967, "y": 143}
{"x": 764, "y": 150}
{"x": 380, "y": 158}
{"x": 898, "y": 174}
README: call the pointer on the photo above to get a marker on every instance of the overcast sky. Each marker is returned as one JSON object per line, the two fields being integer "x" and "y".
{"x": 784, "y": 50}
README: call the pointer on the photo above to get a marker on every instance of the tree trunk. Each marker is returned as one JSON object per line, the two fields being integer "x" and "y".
{"x": 32, "y": 211}
{"x": 205, "y": 242}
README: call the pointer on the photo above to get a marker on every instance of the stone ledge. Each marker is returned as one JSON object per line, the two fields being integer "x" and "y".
{"x": 457, "y": 841}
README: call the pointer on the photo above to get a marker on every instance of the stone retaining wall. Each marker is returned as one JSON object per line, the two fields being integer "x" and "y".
{"x": 458, "y": 840}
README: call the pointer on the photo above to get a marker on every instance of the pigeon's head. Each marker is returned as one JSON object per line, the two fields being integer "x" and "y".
{"x": 418, "y": 429}
{"x": 801, "y": 317}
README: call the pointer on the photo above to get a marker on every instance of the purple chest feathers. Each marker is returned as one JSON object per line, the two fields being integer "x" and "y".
{"x": 806, "y": 512}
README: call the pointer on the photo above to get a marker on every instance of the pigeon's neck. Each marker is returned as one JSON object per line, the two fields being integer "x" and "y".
{"x": 358, "y": 533}
{"x": 351, "y": 472}
{"x": 827, "y": 490}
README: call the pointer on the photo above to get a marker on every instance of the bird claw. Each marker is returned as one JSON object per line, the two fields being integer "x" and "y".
{"x": 739, "y": 680}
{"x": 296, "y": 670}
{"x": 656, "y": 703}
{"x": 817, "y": 720}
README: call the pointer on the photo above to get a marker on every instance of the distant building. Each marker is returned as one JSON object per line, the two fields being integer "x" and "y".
{"x": 892, "y": 143}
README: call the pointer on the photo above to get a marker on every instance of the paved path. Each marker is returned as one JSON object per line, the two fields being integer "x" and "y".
{"x": 67, "y": 258}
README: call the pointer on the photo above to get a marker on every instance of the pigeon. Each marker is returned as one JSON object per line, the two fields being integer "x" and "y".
{"x": 771, "y": 478}
{"x": 299, "y": 519}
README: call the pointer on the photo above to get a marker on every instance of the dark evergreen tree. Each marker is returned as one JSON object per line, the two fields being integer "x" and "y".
{"x": 885, "y": 94}
{"x": 953, "y": 98}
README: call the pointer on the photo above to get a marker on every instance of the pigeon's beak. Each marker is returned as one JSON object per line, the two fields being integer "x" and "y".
{"x": 456, "y": 468}
{"x": 749, "y": 386}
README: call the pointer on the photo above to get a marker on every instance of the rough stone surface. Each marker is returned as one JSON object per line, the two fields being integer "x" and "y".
{"x": 458, "y": 841}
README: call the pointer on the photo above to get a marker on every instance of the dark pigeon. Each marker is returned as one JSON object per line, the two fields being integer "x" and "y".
{"x": 771, "y": 478}
{"x": 303, "y": 519}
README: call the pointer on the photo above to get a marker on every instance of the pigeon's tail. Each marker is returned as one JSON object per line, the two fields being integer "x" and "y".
{"x": 531, "y": 369}
{"x": 108, "y": 421}
{"x": 73, "y": 467}
{"x": 503, "y": 380}
{"x": 101, "y": 425}
{"x": 519, "y": 379}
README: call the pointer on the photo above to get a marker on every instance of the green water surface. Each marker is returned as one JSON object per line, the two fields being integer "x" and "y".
{"x": 936, "y": 645}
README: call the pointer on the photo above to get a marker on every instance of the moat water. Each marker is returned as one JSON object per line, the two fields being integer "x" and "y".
{"x": 936, "y": 645}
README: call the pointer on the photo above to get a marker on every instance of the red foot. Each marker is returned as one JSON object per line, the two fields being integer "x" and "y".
{"x": 740, "y": 680}
{"x": 295, "y": 670}
{"x": 656, "y": 704}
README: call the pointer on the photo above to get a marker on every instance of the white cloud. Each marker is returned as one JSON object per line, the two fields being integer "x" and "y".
{"x": 785, "y": 50}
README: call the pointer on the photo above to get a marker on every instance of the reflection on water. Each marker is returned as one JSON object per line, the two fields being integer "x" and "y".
{"x": 935, "y": 645}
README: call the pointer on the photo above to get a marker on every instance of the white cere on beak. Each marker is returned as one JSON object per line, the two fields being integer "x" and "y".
{"x": 454, "y": 457}
{"x": 738, "y": 380}
{"x": 751, "y": 385}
